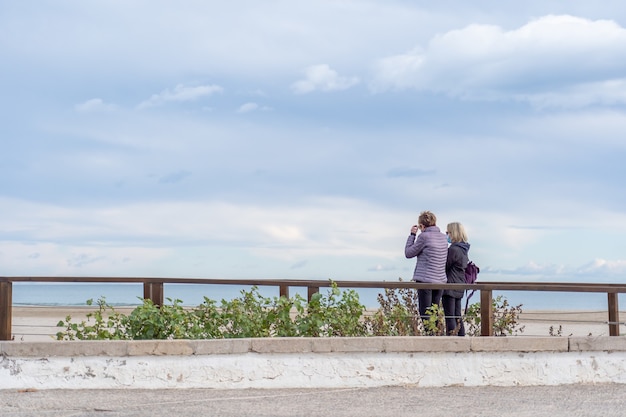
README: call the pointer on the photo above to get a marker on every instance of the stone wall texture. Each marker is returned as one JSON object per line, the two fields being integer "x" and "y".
{"x": 313, "y": 362}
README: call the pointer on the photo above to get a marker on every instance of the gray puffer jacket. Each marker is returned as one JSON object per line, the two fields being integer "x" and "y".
{"x": 431, "y": 249}
{"x": 455, "y": 267}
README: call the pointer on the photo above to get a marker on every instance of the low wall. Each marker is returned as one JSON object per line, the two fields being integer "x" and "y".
{"x": 313, "y": 362}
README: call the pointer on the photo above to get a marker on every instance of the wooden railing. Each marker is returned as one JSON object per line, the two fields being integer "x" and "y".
{"x": 153, "y": 290}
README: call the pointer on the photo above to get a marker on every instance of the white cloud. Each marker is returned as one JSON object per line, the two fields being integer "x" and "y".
{"x": 53, "y": 258}
{"x": 546, "y": 61}
{"x": 251, "y": 106}
{"x": 607, "y": 92}
{"x": 322, "y": 77}
{"x": 332, "y": 227}
{"x": 598, "y": 269}
{"x": 92, "y": 105}
{"x": 603, "y": 267}
{"x": 180, "y": 93}
{"x": 248, "y": 107}
{"x": 279, "y": 37}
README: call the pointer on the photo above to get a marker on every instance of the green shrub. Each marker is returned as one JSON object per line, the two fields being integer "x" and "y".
{"x": 250, "y": 315}
{"x": 247, "y": 316}
{"x": 105, "y": 326}
{"x": 435, "y": 325}
{"x": 170, "y": 321}
{"x": 398, "y": 314}
{"x": 505, "y": 318}
{"x": 210, "y": 319}
{"x": 337, "y": 313}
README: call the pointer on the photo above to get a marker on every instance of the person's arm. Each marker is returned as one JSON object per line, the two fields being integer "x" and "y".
{"x": 449, "y": 260}
{"x": 414, "y": 246}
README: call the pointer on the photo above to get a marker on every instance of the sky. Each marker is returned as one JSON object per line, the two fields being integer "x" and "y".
{"x": 301, "y": 140}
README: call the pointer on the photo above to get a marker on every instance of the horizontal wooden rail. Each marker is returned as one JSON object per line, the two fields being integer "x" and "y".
{"x": 154, "y": 290}
{"x": 500, "y": 285}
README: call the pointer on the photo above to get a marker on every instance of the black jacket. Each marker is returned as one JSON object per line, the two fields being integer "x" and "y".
{"x": 455, "y": 267}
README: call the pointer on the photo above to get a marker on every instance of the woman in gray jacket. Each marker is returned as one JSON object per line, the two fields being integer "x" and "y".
{"x": 430, "y": 248}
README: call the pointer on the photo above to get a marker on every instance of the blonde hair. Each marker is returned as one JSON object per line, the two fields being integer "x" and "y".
{"x": 456, "y": 231}
{"x": 427, "y": 219}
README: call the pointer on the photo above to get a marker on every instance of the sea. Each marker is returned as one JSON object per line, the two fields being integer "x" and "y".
{"x": 130, "y": 294}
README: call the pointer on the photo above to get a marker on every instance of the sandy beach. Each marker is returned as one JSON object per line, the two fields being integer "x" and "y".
{"x": 38, "y": 323}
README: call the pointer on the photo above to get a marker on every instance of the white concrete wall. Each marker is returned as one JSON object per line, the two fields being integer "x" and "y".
{"x": 313, "y": 363}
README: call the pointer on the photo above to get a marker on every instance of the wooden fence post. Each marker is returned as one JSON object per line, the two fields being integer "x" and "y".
{"x": 153, "y": 291}
{"x": 486, "y": 313}
{"x": 613, "y": 314}
{"x": 311, "y": 291}
{"x": 284, "y": 291}
{"x": 6, "y": 310}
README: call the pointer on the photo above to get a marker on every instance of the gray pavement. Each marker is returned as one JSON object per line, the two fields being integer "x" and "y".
{"x": 565, "y": 400}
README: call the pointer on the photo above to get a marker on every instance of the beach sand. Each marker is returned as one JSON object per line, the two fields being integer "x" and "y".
{"x": 568, "y": 323}
{"x": 38, "y": 323}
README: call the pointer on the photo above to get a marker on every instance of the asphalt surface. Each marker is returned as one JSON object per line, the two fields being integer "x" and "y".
{"x": 553, "y": 401}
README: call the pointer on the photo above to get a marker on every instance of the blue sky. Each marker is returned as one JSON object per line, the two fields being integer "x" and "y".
{"x": 300, "y": 140}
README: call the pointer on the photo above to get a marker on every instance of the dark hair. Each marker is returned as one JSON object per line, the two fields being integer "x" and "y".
{"x": 427, "y": 219}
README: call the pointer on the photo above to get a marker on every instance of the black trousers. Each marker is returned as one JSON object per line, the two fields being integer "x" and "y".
{"x": 454, "y": 316}
{"x": 427, "y": 298}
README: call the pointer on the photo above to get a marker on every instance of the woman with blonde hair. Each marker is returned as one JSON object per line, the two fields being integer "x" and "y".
{"x": 455, "y": 272}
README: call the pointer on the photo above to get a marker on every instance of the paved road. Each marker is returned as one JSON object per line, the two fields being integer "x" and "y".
{"x": 572, "y": 400}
